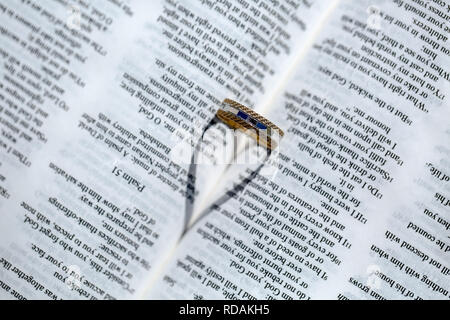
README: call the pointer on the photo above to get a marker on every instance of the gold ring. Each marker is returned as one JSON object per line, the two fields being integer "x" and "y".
{"x": 239, "y": 117}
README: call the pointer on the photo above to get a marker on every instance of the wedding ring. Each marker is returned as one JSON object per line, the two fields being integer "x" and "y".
{"x": 239, "y": 117}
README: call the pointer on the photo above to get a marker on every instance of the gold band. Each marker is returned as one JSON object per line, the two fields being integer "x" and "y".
{"x": 237, "y": 116}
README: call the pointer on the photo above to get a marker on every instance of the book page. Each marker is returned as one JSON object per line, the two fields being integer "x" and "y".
{"x": 359, "y": 207}
{"x": 94, "y": 98}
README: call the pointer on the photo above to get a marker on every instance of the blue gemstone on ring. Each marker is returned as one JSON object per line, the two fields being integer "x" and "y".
{"x": 242, "y": 115}
{"x": 261, "y": 126}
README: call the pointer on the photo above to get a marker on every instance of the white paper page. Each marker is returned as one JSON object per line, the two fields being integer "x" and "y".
{"x": 92, "y": 98}
{"x": 74, "y": 223}
{"x": 362, "y": 156}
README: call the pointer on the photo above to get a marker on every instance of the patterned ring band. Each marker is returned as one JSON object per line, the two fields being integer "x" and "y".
{"x": 237, "y": 116}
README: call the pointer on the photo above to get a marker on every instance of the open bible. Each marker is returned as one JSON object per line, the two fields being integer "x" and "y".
{"x": 95, "y": 97}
